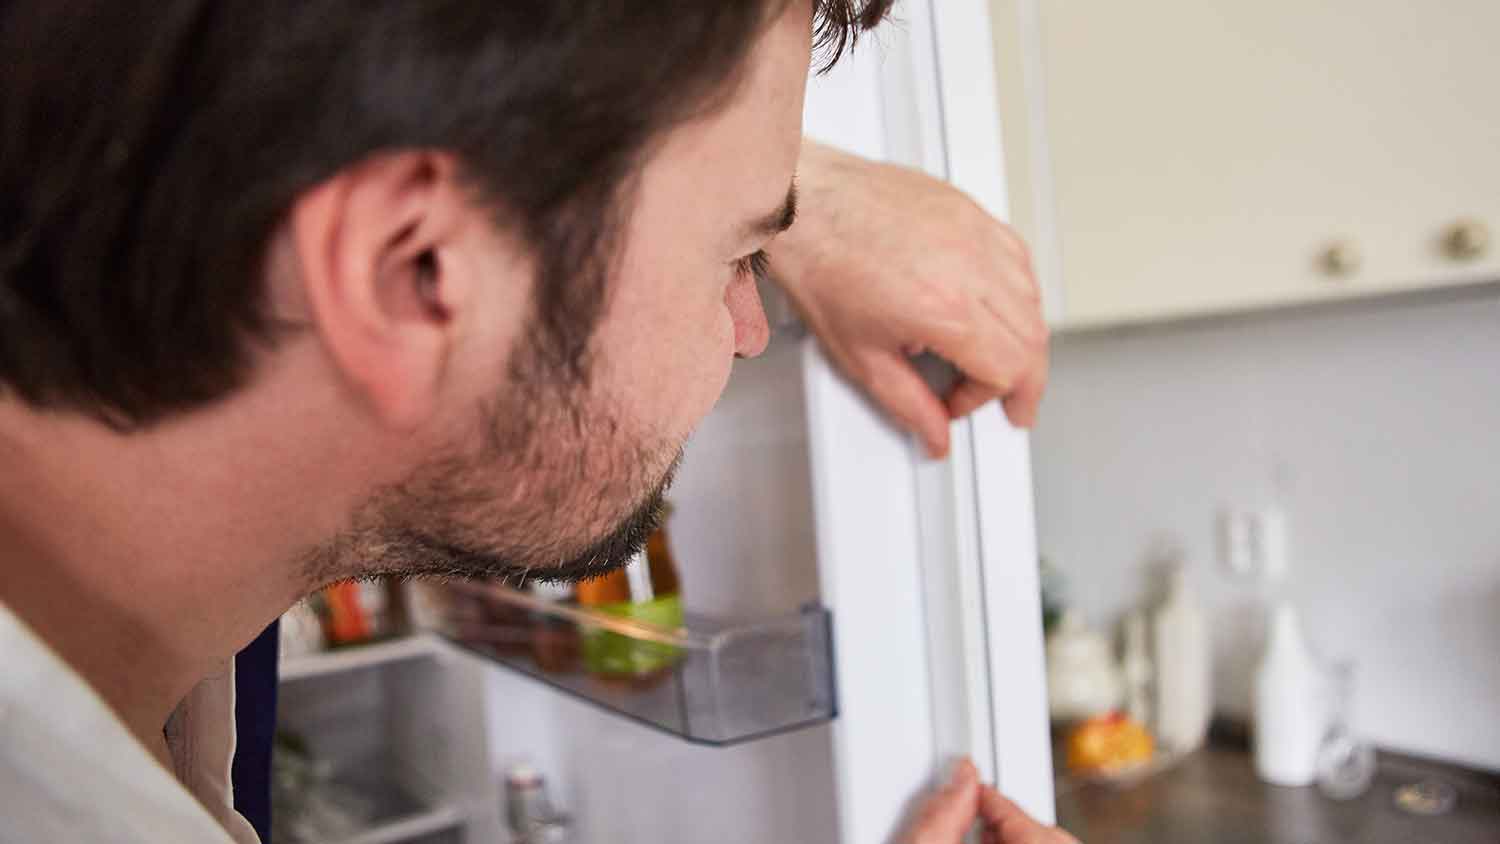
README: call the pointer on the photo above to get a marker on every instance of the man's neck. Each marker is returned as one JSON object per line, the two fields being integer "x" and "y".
{"x": 101, "y": 635}
{"x": 144, "y": 567}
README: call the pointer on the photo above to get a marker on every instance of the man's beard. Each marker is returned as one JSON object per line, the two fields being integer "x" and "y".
{"x": 554, "y": 488}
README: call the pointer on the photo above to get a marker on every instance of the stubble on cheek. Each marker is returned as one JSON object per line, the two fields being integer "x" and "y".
{"x": 552, "y": 485}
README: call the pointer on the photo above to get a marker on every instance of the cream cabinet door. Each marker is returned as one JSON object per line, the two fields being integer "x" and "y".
{"x": 1173, "y": 158}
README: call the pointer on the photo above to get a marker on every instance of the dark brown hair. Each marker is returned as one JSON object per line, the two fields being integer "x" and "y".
{"x": 148, "y": 150}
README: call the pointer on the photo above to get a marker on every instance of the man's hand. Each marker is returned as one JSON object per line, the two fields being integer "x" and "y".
{"x": 885, "y": 262}
{"x": 949, "y": 813}
{"x": 1005, "y": 823}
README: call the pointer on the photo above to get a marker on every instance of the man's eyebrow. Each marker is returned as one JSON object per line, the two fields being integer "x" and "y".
{"x": 777, "y": 221}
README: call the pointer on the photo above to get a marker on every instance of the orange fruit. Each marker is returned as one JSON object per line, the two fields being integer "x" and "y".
{"x": 1108, "y": 743}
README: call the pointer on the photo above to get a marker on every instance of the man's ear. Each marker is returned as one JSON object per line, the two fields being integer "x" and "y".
{"x": 371, "y": 247}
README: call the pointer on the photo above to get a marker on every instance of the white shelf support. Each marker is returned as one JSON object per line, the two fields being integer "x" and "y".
{"x": 354, "y": 657}
{"x": 410, "y": 827}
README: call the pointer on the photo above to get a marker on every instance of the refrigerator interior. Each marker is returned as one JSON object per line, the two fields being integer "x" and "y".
{"x": 743, "y": 536}
{"x": 394, "y": 749}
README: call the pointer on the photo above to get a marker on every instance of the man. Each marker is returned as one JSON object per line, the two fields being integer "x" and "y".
{"x": 295, "y": 291}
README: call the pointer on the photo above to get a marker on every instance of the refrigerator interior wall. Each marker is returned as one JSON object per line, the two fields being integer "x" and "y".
{"x": 744, "y": 539}
{"x": 402, "y": 735}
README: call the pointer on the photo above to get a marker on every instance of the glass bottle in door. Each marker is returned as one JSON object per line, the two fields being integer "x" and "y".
{"x": 647, "y": 589}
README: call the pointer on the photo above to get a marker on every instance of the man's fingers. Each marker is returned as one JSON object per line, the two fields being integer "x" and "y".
{"x": 984, "y": 348}
{"x": 949, "y": 811}
{"x": 1023, "y": 403}
{"x": 968, "y": 396}
{"x": 900, "y": 390}
{"x": 1004, "y": 360}
{"x": 997, "y": 809}
{"x": 994, "y": 346}
{"x": 1011, "y": 823}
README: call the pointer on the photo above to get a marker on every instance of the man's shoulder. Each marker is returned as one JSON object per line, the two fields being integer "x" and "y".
{"x": 69, "y": 770}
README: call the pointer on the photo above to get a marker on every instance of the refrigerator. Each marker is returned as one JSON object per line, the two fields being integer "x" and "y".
{"x": 907, "y": 588}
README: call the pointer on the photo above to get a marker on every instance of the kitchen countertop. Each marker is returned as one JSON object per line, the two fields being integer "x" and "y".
{"x": 1213, "y": 797}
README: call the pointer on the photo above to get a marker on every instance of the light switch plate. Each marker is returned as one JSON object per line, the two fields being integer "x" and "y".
{"x": 1253, "y": 543}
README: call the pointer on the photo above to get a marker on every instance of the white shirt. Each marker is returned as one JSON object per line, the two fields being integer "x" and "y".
{"x": 71, "y": 772}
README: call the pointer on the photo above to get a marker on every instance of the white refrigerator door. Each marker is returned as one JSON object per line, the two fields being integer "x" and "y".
{"x": 930, "y": 568}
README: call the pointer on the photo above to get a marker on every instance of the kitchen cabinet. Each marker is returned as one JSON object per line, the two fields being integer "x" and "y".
{"x": 1182, "y": 158}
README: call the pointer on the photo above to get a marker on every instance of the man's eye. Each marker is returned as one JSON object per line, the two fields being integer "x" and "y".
{"x": 755, "y": 264}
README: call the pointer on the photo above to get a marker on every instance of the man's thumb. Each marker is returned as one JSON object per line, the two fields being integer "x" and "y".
{"x": 949, "y": 811}
{"x": 1011, "y": 823}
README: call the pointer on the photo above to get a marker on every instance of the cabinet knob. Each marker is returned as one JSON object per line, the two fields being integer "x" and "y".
{"x": 1340, "y": 258}
{"x": 1466, "y": 240}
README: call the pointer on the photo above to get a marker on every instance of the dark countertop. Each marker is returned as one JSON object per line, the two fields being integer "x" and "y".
{"x": 1213, "y": 797}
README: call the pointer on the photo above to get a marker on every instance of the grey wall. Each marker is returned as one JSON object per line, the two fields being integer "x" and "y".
{"x": 1377, "y": 428}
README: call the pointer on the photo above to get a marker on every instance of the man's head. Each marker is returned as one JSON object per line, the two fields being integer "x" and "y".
{"x": 483, "y": 265}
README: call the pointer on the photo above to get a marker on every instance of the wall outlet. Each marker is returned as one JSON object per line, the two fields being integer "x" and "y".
{"x": 1268, "y": 533}
{"x": 1236, "y": 547}
{"x": 1253, "y": 544}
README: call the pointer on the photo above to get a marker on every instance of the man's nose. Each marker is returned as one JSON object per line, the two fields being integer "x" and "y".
{"x": 751, "y": 331}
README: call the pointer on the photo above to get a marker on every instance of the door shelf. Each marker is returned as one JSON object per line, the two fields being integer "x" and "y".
{"x": 711, "y": 681}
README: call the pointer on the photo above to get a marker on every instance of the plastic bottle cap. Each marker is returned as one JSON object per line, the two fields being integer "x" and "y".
{"x": 523, "y": 776}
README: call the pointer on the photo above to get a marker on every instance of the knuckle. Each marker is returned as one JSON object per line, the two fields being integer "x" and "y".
{"x": 942, "y": 300}
{"x": 1016, "y": 247}
{"x": 1023, "y": 251}
{"x": 1043, "y": 338}
{"x": 859, "y": 368}
{"x": 1010, "y": 241}
{"x": 853, "y": 365}
{"x": 1035, "y": 335}
{"x": 1032, "y": 286}
{"x": 960, "y": 334}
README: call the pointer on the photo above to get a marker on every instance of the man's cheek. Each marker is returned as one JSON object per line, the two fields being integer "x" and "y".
{"x": 719, "y": 362}
{"x": 704, "y": 371}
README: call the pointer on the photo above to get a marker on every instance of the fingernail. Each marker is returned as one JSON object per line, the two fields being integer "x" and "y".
{"x": 959, "y": 771}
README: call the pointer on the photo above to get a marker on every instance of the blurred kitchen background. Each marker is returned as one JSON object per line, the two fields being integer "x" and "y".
{"x": 1267, "y": 238}
{"x": 1370, "y": 428}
